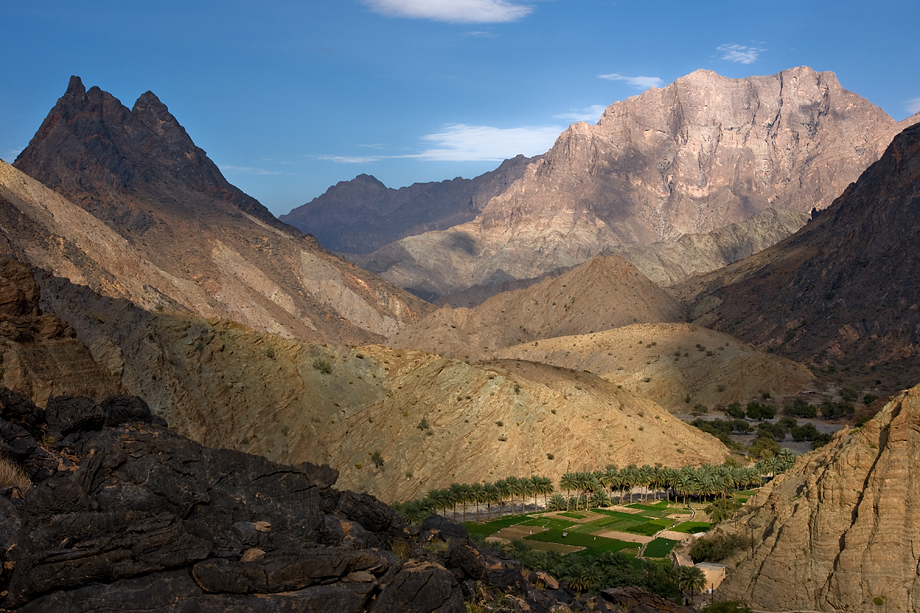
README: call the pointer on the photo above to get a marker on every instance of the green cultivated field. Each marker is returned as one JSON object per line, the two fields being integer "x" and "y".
{"x": 659, "y": 548}
{"x": 548, "y": 528}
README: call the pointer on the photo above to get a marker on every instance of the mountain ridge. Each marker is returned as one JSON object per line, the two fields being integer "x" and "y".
{"x": 702, "y": 152}
{"x": 151, "y": 218}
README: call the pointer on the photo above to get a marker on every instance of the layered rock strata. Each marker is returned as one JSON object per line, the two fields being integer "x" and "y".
{"x": 837, "y": 532}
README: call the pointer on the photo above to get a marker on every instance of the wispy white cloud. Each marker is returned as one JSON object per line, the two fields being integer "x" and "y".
{"x": 590, "y": 114}
{"x": 463, "y": 143}
{"x": 246, "y": 170}
{"x": 10, "y": 154}
{"x": 740, "y": 54}
{"x": 353, "y": 159}
{"x": 913, "y": 105}
{"x": 637, "y": 82}
{"x": 452, "y": 11}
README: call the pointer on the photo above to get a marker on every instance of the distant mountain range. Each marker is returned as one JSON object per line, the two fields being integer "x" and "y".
{"x": 701, "y": 153}
{"x": 363, "y": 215}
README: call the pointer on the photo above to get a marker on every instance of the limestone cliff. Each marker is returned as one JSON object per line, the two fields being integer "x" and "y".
{"x": 838, "y": 531}
{"x": 700, "y": 153}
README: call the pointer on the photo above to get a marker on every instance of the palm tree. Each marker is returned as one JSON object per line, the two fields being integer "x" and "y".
{"x": 630, "y": 479}
{"x": 690, "y": 579}
{"x": 504, "y": 491}
{"x": 492, "y": 496}
{"x": 478, "y": 495}
{"x": 567, "y": 482}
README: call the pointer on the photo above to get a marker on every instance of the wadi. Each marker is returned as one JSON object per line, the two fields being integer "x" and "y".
{"x": 683, "y": 342}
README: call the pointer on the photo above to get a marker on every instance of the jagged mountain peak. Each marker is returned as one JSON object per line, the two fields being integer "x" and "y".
{"x": 91, "y": 142}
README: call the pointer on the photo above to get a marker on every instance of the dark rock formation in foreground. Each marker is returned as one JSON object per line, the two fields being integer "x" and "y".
{"x": 126, "y": 515}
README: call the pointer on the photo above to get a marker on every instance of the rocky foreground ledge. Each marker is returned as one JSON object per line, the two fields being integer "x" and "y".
{"x": 124, "y": 514}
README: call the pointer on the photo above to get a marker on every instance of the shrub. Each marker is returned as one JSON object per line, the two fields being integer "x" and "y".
{"x": 849, "y": 394}
{"x": 376, "y": 458}
{"x": 717, "y": 548}
{"x": 735, "y": 410}
{"x": 322, "y": 365}
{"x": 800, "y": 408}
{"x": 270, "y": 353}
{"x": 423, "y": 425}
{"x": 806, "y": 432}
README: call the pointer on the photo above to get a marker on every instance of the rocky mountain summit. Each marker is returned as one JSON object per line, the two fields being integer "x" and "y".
{"x": 140, "y": 213}
{"x": 698, "y": 154}
{"x": 363, "y": 215}
{"x": 841, "y": 522}
{"x": 842, "y": 291}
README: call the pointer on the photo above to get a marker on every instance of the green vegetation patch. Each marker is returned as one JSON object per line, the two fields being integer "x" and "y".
{"x": 659, "y": 548}
{"x": 648, "y": 528}
{"x": 620, "y": 514}
{"x": 548, "y": 522}
{"x": 692, "y": 527}
{"x": 572, "y": 514}
{"x": 596, "y": 544}
{"x": 491, "y": 527}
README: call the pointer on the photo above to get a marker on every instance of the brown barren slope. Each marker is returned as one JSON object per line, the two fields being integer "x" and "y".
{"x": 229, "y": 386}
{"x": 606, "y": 292}
{"x": 842, "y": 522}
{"x": 669, "y": 363}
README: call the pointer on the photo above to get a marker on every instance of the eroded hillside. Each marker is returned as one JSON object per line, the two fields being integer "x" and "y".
{"x": 676, "y": 365}
{"x": 842, "y": 522}
{"x": 433, "y": 420}
{"x": 603, "y": 293}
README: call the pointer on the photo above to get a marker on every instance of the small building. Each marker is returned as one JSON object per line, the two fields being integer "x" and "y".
{"x": 715, "y": 574}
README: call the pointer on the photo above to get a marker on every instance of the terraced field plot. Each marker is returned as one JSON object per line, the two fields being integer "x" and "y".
{"x": 590, "y": 532}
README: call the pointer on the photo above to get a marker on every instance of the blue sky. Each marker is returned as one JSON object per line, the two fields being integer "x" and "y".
{"x": 289, "y": 97}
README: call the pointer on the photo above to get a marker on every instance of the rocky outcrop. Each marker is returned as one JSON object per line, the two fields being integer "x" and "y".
{"x": 141, "y": 213}
{"x": 363, "y": 215}
{"x": 127, "y": 515}
{"x": 837, "y": 531}
{"x": 40, "y": 355}
{"x": 606, "y": 292}
{"x": 842, "y": 291}
{"x": 698, "y": 154}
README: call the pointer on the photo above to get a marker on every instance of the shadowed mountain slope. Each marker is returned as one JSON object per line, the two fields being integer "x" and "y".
{"x": 703, "y": 152}
{"x": 141, "y": 213}
{"x": 363, "y": 215}
{"x": 842, "y": 291}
